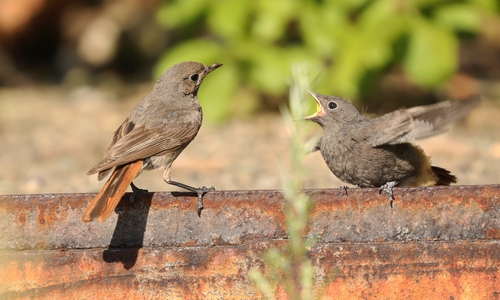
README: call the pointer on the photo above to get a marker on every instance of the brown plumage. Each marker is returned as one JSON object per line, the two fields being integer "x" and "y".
{"x": 159, "y": 127}
{"x": 380, "y": 152}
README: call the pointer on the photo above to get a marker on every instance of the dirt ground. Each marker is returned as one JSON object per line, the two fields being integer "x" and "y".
{"x": 50, "y": 138}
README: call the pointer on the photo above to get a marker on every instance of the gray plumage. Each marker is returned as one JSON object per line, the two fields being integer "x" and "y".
{"x": 380, "y": 152}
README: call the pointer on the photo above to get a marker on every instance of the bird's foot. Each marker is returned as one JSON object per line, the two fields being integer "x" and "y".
{"x": 388, "y": 187}
{"x": 199, "y": 191}
{"x": 345, "y": 187}
{"x": 135, "y": 191}
{"x": 202, "y": 191}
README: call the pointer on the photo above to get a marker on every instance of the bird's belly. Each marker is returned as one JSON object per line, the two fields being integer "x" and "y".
{"x": 365, "y": 166}
{"x": 349, "y": 168}
{"x": 164, "y": 160}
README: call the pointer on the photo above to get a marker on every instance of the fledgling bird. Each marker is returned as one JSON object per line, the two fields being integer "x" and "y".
{"x": 380, "y": 152}
{"x": 159, "y": 127}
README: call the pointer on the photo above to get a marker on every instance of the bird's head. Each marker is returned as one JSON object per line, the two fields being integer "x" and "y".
{"x": 184, "y": 78}
{"x": 332, "y": 110}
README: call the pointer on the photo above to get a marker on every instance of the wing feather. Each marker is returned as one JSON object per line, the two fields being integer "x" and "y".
{"x": 403, "y": 126}
{"x": 141, "y": 142}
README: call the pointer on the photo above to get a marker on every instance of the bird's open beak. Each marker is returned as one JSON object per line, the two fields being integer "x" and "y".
{"x": 320, "y": 111}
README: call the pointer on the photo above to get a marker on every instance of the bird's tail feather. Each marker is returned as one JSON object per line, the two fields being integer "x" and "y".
{"x": 111, "y": 193}
{"x": 444, "y": 176}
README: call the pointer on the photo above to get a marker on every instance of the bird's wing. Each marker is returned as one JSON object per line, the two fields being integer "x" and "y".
{"x": 141, "y": 142}
{"x": 390, "y": 127}
{"x": 419, "y": 122}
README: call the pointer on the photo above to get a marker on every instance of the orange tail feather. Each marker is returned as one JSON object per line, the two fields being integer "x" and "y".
{"x": 111, "y": 193}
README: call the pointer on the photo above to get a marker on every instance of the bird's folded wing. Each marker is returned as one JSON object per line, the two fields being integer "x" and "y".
{"x": 142, "y": 142}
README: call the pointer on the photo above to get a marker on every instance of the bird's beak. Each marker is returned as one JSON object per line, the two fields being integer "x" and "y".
{"x": 212, "y": 67}
{"x": 320, "y": 111}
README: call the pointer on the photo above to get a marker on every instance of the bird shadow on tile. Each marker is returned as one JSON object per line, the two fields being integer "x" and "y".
{"x": 128, "y": 236}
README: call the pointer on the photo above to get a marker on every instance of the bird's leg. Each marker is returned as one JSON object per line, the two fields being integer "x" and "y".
{"x": 135, "y": 191}
{"x": 345, "y": 187}
{"x": 388, "y": 188}
{"x": 199, "y": 191}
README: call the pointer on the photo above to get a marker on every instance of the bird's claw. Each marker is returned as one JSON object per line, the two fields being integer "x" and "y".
{"x": 388, "y": 188}
{"x": 345, "y": 187}
{"x": 202, "y": 191}
{"x": 389, "y": 193}
{"x": 135, "y": 191}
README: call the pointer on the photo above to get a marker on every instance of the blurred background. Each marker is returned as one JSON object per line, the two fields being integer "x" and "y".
{"x": 71, "y": 71}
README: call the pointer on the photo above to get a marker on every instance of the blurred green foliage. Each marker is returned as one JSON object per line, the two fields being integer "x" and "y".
{"x": 345, "y": 40}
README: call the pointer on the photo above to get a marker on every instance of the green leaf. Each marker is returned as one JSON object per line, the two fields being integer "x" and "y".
{"x": 432, "y": 54}
{"x": 276, "y": 260}
{"x": 348, "y": 68}
{"x": 181, "y": 12}
{"x": 229, "y": 18}
{"x": 425, "y": 4}
{"x": 272, "y": 17}
{"x": 459, "y": 17}
{"x": 489, "y": 5}
{"x": 200, "y": 50}
{"x": 307, "y": 280}
{"x": 347, "y": 6}
{"x": 217, "y": 93}
{"x": 262, "y": 283}
{"x": 321, "y": 29}
{"x": 379, "y": 26}
{"x": 271, "y": 67}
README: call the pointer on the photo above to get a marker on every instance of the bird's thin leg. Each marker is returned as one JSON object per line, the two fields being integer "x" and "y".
{"x": 345, "y": 187}
{"x": 200, "y": 191}
{"x": 388, "y": 188}
{"x": 135, "y": 191}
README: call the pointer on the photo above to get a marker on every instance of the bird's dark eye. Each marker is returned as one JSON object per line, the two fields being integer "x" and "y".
{"x": 194, "y": 77}
{"x": 332, "y": 105}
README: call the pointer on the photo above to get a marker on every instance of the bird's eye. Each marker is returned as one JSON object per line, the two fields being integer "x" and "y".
{"x": 194, "y": 77}
{"x": 332, "y": 105}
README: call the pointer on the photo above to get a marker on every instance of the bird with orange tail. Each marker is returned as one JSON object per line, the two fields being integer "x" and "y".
{"x": 159, "y": 127}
